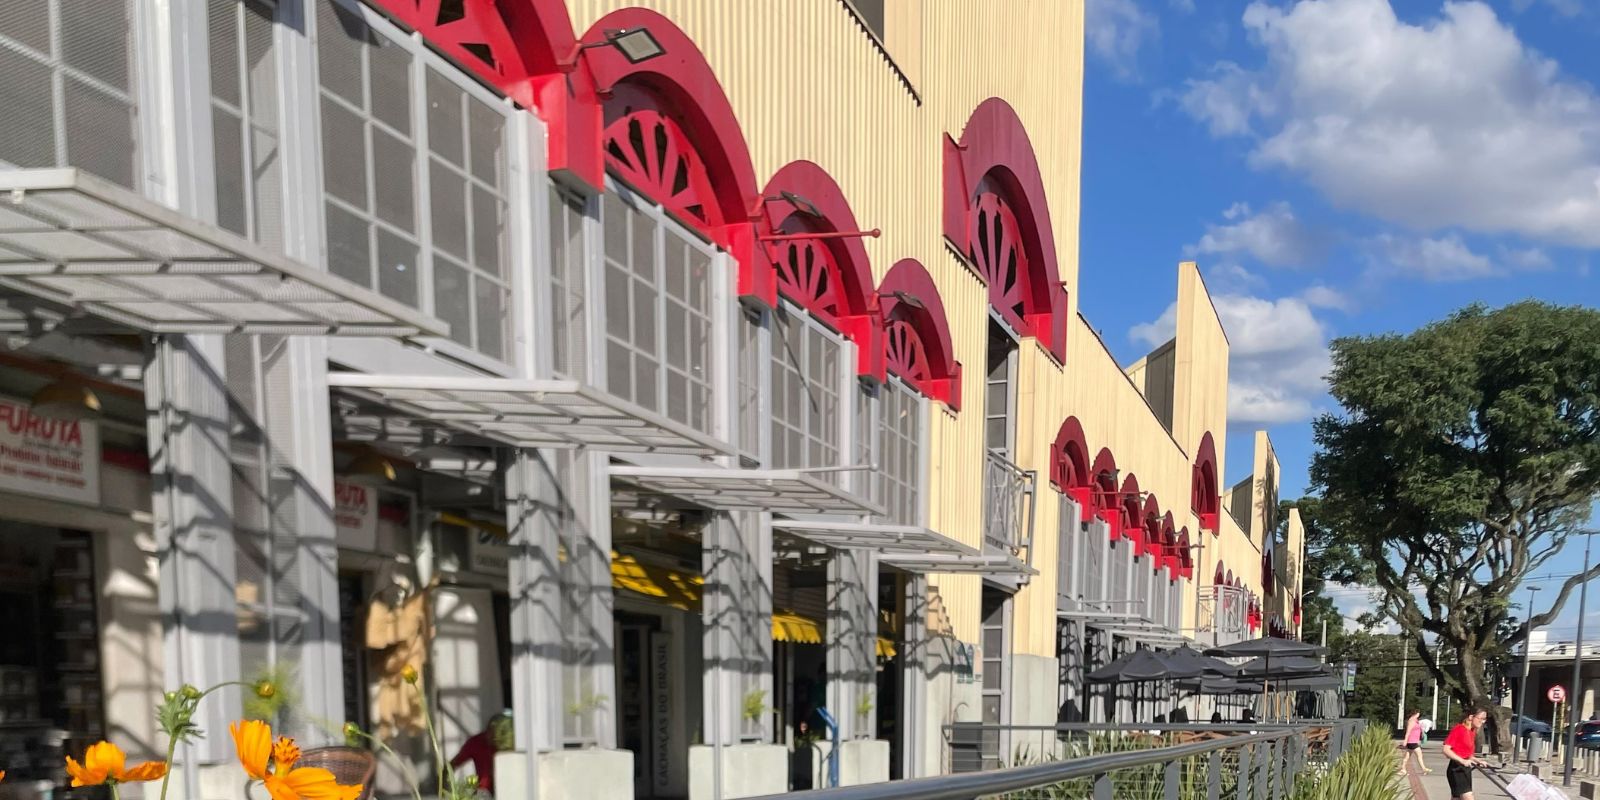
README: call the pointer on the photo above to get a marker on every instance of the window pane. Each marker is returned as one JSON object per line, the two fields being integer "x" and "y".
{"x": 444, "y": 119}
{"x": 492, "y": 320}
{"x": 94, "y": 38}
{"x": 99, "y": 131}
{"x": 340, "y": 33}
{"x": 488, "y": 231}
{"x": 394, "y": 186}
{"x": 449, "y": 204}
{"x": 344, "y": 154}
{"x": 27, "y": 131}
{"x": 452, "y": 298}
{"x": 619, "y": 319}
{"x": 619, "y": 371}
{"x": 28, "y": 23}
{"x": 486, "y": 132}
{"x": 349, "y": 255}
{"x": 222, "y": 25}
{"x": 390, "y": 69}
{"x": 228, "y": 152}
{"x": 397, "y": 273}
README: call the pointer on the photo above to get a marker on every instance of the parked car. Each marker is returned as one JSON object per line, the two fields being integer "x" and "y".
{"x": 1588, "y": 733}
{"x": 1528, "y": 726}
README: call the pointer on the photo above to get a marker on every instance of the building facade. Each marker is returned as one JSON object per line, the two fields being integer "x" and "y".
{"x": 692, "y": 379}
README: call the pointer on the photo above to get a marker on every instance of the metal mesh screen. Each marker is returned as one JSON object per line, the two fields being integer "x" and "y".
{"x": 1094, "y": 564}
{"x": 751, "y": 381}
{"x": 1117, "y": 566}
{"x": 244, "y": 119}
{"x": 568, "y": 285}
{"x": 67, "y": 75}
{"x": 900, "y": 455}
{"x": 806, "y": 401}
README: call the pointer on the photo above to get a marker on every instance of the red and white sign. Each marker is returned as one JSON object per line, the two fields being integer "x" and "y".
{"x": 56, "y": 458}
{"x": 1557, "y": 694}
{"x": 355, "y": 516}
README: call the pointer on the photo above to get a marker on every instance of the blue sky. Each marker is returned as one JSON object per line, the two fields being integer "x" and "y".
{"x": 1336, "y": 167}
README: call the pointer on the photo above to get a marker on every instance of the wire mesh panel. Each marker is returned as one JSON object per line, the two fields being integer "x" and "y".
{"x": 246, "y": 146}
{"x": 806, "y": 401}
{"x": 569, "y": 295}
{"x": 1094, "y": 563}
{"x": 68, "y": 76}
{"x": 900, "y": 453}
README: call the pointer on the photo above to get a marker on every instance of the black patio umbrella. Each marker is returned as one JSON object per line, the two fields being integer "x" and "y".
{"x": 1208, "y": 666}
{"x": 1276, "y": 668}
{"x": 1303, "y": 683}
{"x": 1142, "y": 665}
{"x": 1267, "y": 646}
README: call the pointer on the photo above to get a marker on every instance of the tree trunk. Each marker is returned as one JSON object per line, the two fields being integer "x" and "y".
{"x": 1475, "y": 695}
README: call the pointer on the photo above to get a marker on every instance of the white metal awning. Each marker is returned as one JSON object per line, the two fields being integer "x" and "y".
{"x": 84, "y": 242}
{"x": 532, "y": 413}
{"x": 781, "y": 491}
{"x": 994, "y": 565}
{"x": 884, "y": 539}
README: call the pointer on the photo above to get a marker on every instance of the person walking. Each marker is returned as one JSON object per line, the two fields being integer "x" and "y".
{"x": 1461, "y": 747}
{"x": 1414, "y": 733}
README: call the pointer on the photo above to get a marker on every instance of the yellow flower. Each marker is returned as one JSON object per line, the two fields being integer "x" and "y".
{"x": 409, "y": 674}
{"x": 253, "y": 740}
{"x": 104, "y": 763}
{"x": 265, "y": 690}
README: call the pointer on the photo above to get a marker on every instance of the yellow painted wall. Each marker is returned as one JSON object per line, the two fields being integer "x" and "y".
{"x": 806, "y": 82}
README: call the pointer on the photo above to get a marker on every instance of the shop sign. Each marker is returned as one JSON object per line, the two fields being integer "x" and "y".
{"x": 355, "y": 516}
{"x": 661, "y": 712}
{"x": 1350, "y": 676}
{"x": 57, "y": 458}
{"x": 489, "y": 552}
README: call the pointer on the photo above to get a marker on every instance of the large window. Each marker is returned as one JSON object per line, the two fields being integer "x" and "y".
{"x": 889, "y": 425}
{"x": 246, "y": 146}
{"x": 806, "y": 389}
{"x": 1094, "y": 563}
{"x": 413, "y": 163}
{"x": 569, "y": 292}
{"x": 68, "y": 78}
{"x": 659, "y": 282}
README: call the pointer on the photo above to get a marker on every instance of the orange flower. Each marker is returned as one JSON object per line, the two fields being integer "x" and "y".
{"x": 104, "y": 763}
{"x": 253, "y": 740}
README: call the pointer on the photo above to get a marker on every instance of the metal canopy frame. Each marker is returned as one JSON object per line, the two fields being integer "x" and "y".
{"x": 81, "y": 241}
{"x": 781, "y": 491}
{"x": 531, "y": 413}
{"x": 992, "y": 565}
{"x": 886, "y": 540}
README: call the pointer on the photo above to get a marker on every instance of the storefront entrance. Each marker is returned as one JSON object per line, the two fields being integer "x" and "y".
{"x": 50, "y": 687}
{"x": 644, "y": 706}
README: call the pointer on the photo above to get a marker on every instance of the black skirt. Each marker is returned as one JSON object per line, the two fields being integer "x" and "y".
{"x": 1460, "y": 779}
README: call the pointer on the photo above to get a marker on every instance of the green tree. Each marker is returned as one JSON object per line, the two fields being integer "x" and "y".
{"x": 1328, "y": 559}
{"x": 1464, "y": 456}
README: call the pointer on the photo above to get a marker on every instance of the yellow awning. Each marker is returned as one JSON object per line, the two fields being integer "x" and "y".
{"x": 665, "y": 586}
{"x": 790, "y": 627}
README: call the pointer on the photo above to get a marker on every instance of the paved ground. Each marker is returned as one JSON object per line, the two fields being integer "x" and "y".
{"x": 1434, "y": 787}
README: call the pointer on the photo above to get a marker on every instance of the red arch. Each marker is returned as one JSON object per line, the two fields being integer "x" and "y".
{"x": 509, "y": 43}
{"x": 1132, "y": 523}
{"x": 1151, "y": 513}
{"x": 917, "y": 344}
{"x": 1204, "y": 494}
{"x": 831, "y": 278}
{"x": 995, "y": 157}
{"x": 668, "y": 108}
{"x": 1069, "y": 466}
{"x": 1185, "y": 555}
{"x": 1219, "y": 579}
{"x": 1169, "y": 546}
{"x": 1104, "y": 472}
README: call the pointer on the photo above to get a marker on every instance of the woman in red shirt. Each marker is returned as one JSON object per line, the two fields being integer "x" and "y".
{"x": 1461, "y": 747}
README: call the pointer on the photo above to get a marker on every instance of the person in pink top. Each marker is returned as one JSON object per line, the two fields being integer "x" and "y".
{"x": 1414, "y": 742}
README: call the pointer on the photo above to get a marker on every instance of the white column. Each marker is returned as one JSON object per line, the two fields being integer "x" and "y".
{"x": 852, "y": 639}
{"x": 736, "y": 612}
{"x": 534, "y": 587}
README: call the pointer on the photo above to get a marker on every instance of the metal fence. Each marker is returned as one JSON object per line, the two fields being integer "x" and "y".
{"x": 1172, "y": 762}
{"x": 1009, "y": 498}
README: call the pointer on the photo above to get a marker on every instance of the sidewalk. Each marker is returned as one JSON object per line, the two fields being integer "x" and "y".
{"x": 1434, "y": 787}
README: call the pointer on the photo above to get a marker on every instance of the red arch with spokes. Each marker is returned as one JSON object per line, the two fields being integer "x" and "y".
{"x": 916, "y": 333}
{"x": 1132, "y": 521}
{"x": 1104, "y": 471}
{"x": 831, "y": 278}
{"x": 996, "y": 215}
{"x": 1069, "y": 466}
{"x": 1205, "y": 498}
{"x": 1185, "y": 555}
{"x": 671, "y": 134}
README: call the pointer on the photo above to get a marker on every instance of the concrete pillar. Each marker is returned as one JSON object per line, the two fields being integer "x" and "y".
{"x": 736, "y": 612}
{"x": 293, "y": 400}
{"x": 916, "y": 658}
{"x": 192, "y": 504}
{"x": 589, "y": 609}
{"x": 852, "y": 639}
{"x": 536, "y": 620}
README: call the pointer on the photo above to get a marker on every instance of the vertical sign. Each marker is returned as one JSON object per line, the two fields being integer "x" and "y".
{"x": 58, "y": 458}
{"x": 661, "y": 712}
{"x": 355, "y": 516}
{"x": 1350, "y": 676}
{"x": 490, "y": 551}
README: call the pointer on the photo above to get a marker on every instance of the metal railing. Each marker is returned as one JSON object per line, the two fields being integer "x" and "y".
{"x": 1008, "y": 501}
{"x": 1222, "y": 617}
{"x": 1206, "y": 762}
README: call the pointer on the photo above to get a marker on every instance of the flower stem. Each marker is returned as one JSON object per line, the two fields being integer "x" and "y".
{"x": 116, "y": 794}
{"x": 411, "y": 778}
{"x": 438, "y": 747}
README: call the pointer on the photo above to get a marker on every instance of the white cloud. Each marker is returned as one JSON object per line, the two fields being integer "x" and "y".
{"x": 1230, "y": 278}
{"x": 1448, "y": 258}
{"x": 1272, "y": 236}
{"x": 1453, "y": 122}
{"x": 1565, "y": 8}
{"x": 1184, "y": 6}
{"x": 1278, "y": 355}
{"x": 1320, "y": 296}
{"x": 1116, "y": 30}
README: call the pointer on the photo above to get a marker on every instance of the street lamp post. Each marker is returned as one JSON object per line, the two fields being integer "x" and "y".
{"x": 1575, "y": 694}
{"x": 1522, "y": 688}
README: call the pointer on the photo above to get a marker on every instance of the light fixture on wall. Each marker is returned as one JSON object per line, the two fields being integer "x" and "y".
{"x": 906, "y": 297}
{"x": 65, "y": 398}
{"x": 370, "y": 469}
{"x": 637, "y": 45}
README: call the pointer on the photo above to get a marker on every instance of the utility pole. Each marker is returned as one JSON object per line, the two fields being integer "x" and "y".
{"x": 1400, "y": 716}
{"x": 1434, "y": 714}
{"x": 1522, "y": 688}
{"x": 1575, "y": 693}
